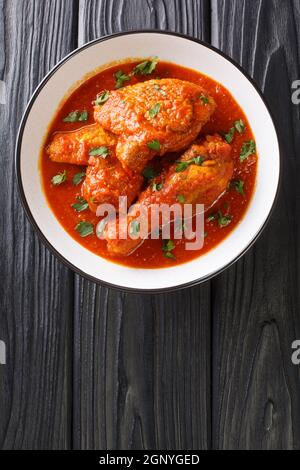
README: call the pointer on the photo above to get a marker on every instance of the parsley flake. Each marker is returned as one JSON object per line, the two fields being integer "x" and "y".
{"x": 99, "y": 152}
{"x": 84, "y": 229}
{"x": 121, "y": 78}
{"x": 59, "y": 178}
{"x": 78, "y": 178}
{"x": 76, "y": 116}
{"x": 146, "y": 67}
{"x": 248, "y": 148}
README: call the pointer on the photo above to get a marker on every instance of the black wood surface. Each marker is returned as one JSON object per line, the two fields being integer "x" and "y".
{"x": 256, "y": 310}
{"x": 93, "y": 368}
{"x": 142, "y": 363}
{"x": 36, "y": 291}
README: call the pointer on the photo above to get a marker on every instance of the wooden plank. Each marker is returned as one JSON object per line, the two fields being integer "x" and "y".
{"x": 141, "y": 362}
{"x": 36, "y": 290}
{"x": 256, "y": 303}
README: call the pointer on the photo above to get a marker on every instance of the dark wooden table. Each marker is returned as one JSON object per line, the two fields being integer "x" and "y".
{"x": 207, "y": 367}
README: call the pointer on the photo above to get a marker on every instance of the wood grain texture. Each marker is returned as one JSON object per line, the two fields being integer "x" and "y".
{"x": 141, "y": 362}
{"x": 36, "y": 291}
{"x": 256, "y": 302}
{"x": 149, "y": 371}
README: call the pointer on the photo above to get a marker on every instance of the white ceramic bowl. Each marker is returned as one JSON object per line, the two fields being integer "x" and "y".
{"x": 186, "y": 52}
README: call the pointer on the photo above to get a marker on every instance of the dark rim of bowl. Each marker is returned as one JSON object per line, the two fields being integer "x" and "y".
{"x": 27, "y": 208}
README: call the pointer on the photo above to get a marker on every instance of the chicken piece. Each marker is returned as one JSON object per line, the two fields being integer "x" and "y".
{"x": 201, "y": 181}
{"x": 106, "y": 180}
{"x": 73, "y": 147}
{"x": 165, "y": 114}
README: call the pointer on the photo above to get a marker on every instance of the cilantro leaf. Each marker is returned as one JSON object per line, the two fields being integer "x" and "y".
{"x": 59, "y": 178}
{"x": 99, "y": 152}
{"x": 78, "y": 178}
{"x": 169, "y": 254}
{"x": 229, "y": 135}
{"x": 76, "y": 116}
{"x": 84, "y": 228}
{"x": 224, "y": 220}
{"x": 183, "y": 165}
{"x": 160, "y": 89}
{"x": 248, "y": 148}
{"x": 154, "y": 145}
{"x": 167, "y": 248}
{"x": 154, "y": 110}
{"x": 211, "y": 217}
{"x": 180, "y": 198}
{"x": 204, "y": 99}
{"x": 156, "y": 187}
{"x": 102, "y": 98}
{"x": 168, "y": 245}
{"x": 121, "y": 78}
{"x": 81, "y": 205}
{"x": 240, "y": 126}
{"x": 238, "y": 185}
{"x": 146, "y": 67}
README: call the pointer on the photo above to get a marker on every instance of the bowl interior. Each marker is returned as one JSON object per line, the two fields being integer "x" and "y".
{"x": 189, "y": 54}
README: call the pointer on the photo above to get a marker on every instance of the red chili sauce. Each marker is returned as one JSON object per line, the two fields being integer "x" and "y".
{"x": 233, "y": 203}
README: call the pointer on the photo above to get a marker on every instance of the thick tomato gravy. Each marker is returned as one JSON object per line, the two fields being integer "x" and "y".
{"x": 150, "y": 254}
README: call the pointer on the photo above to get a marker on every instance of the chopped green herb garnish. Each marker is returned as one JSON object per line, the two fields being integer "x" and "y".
{"x": 102, "y": 98}
{"x": 134, "y": 228}
{"x": 211, "y": 217}
{"x": 149, "y": 173}
{"x": 224, "y": 220}
{"x": 167, "y": 248}
{"x": 154, "y": 110}
{"x": 198, "y": 160}
{"x": 84, "y": 228}
{"x": 83, "y": 116}
{"x": 81, "y": 205}
{"x": 248, "y": 148}
{"x": 99, "y": 152}
{"x": 180, "y": 198}
{"x": 240, "y": 126}
{"x": 156, "y": 187}
{"x": 238, "y": 185}
{"x": 160, "y": 89}
{"x": 169, "y": 254}
{"x": 146, "y": 68}
{"x": 59, "y": 179}
{"x": 154, "y": 145}
{"x": 183, "y": 165}
{"x": 76, "y": 116}
{"x": 121, "y": 78}
{"x": 78, "y": 178}
{"x": 168, "y": 245}
{"x": 230, "y": 135}
{"x": 204, "y": 99}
